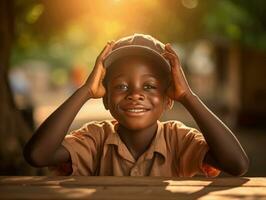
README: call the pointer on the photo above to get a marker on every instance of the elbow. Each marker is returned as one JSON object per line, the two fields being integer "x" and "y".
{"x": 241, "y": 168}
{"x": 32, "y": 157}
{"x": 27, "y": 153}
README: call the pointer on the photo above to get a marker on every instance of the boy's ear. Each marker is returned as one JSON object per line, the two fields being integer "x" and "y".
{"x": 105, "y": 102}
{"x": 169, "y": 103}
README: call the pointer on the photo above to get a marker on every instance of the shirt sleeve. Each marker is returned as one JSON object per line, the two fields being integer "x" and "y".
{"x": 192, "y": 150}
{"x": 83, "y": 145}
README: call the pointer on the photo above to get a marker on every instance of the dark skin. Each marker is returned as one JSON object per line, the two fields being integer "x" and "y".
{"x": 225, "y": 151}
{"x": 137, "y": 96}
{"x": 44, "y": 148}
{"x": 134, "y": 83}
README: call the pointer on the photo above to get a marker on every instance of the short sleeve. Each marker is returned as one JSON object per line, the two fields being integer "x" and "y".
{"x": 193, "y": 149}
{"x": 83, "y": 145}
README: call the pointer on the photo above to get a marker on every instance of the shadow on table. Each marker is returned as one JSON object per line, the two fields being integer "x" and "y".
{"x": 119, "y": 187}
{"x": 141, "y": 188}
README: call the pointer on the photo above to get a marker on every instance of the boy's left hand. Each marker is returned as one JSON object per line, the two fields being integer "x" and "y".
{"x": 179, "y": 87}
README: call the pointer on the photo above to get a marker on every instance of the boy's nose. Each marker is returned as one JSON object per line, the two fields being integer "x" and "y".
{"x": 135, "y": 95}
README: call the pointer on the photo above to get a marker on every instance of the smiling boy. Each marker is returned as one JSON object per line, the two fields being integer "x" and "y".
{"x": 138, "y": 78}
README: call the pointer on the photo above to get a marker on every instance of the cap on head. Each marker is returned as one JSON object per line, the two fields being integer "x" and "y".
{"x": 137, "y": 44}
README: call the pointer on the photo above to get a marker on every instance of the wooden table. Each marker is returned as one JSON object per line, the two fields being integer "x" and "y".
{"x": 73, "y": 187}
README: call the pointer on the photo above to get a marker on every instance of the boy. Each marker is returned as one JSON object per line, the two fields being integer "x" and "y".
{"x": 138, "y": 77}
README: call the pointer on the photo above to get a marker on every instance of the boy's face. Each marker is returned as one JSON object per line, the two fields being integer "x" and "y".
{"x": 136, "y": 92}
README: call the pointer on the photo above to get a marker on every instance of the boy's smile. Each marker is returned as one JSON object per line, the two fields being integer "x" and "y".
{"x": 136, "y": 92}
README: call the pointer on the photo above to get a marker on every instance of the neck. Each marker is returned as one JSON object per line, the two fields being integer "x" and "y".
{"x": 137, "y": 141}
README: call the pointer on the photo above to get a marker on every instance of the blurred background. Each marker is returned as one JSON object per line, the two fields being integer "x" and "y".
{"x": 48, "y": 48}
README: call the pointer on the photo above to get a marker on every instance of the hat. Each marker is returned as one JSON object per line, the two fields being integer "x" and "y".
{"x": 137, "y": 44}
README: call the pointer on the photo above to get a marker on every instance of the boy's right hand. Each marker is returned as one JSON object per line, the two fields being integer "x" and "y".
{"x": 94, "y": 84}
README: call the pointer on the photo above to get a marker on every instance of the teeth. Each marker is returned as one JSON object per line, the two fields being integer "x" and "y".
{"x": 136, "y": 110}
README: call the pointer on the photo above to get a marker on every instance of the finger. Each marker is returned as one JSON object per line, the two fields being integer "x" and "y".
{"x": 109, "y": 50}
{"x": 103, "y": 74}
{"x": 169, "y": 56}
{"x": 166, "y": 53}
{"x": 169, "y": 48}
{"x": 172, "y": 57}
{"x": 171, "y": 60}
{"x": 105, "y": 47}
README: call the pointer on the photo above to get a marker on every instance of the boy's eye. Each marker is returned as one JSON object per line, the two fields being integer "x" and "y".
{"x": 122, "y": 87}
{"x": 149, "y": 87}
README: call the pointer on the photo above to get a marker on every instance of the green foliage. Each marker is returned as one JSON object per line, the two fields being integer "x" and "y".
{"x": 66, "y": 34}
{"x": 238, "y": 21}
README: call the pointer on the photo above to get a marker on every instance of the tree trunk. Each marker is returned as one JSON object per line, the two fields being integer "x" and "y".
{"x": 13, "y": 129}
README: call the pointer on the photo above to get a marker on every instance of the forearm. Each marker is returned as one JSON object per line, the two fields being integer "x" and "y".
{"x": 224, "y": 146}
{"x": 48, "y": 137}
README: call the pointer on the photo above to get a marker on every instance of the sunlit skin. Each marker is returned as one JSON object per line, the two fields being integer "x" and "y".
{"x": 134, "y": 88}
{"x": 135, "y": 83}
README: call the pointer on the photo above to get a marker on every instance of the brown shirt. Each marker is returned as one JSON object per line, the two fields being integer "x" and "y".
{"x": 97, "y": 150}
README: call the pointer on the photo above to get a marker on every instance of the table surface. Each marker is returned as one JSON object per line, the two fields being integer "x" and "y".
{"x": 81, "y": 187}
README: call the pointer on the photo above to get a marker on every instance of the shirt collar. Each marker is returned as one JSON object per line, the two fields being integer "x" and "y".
{"x": 113, "y": 138}
{"x": 158, "y": 144}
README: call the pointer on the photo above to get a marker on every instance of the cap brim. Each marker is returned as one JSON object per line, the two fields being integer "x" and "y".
{"x": 134, "y": 50}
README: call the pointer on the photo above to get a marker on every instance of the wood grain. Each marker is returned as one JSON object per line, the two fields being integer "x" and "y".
{"x": 131, "y": 188}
